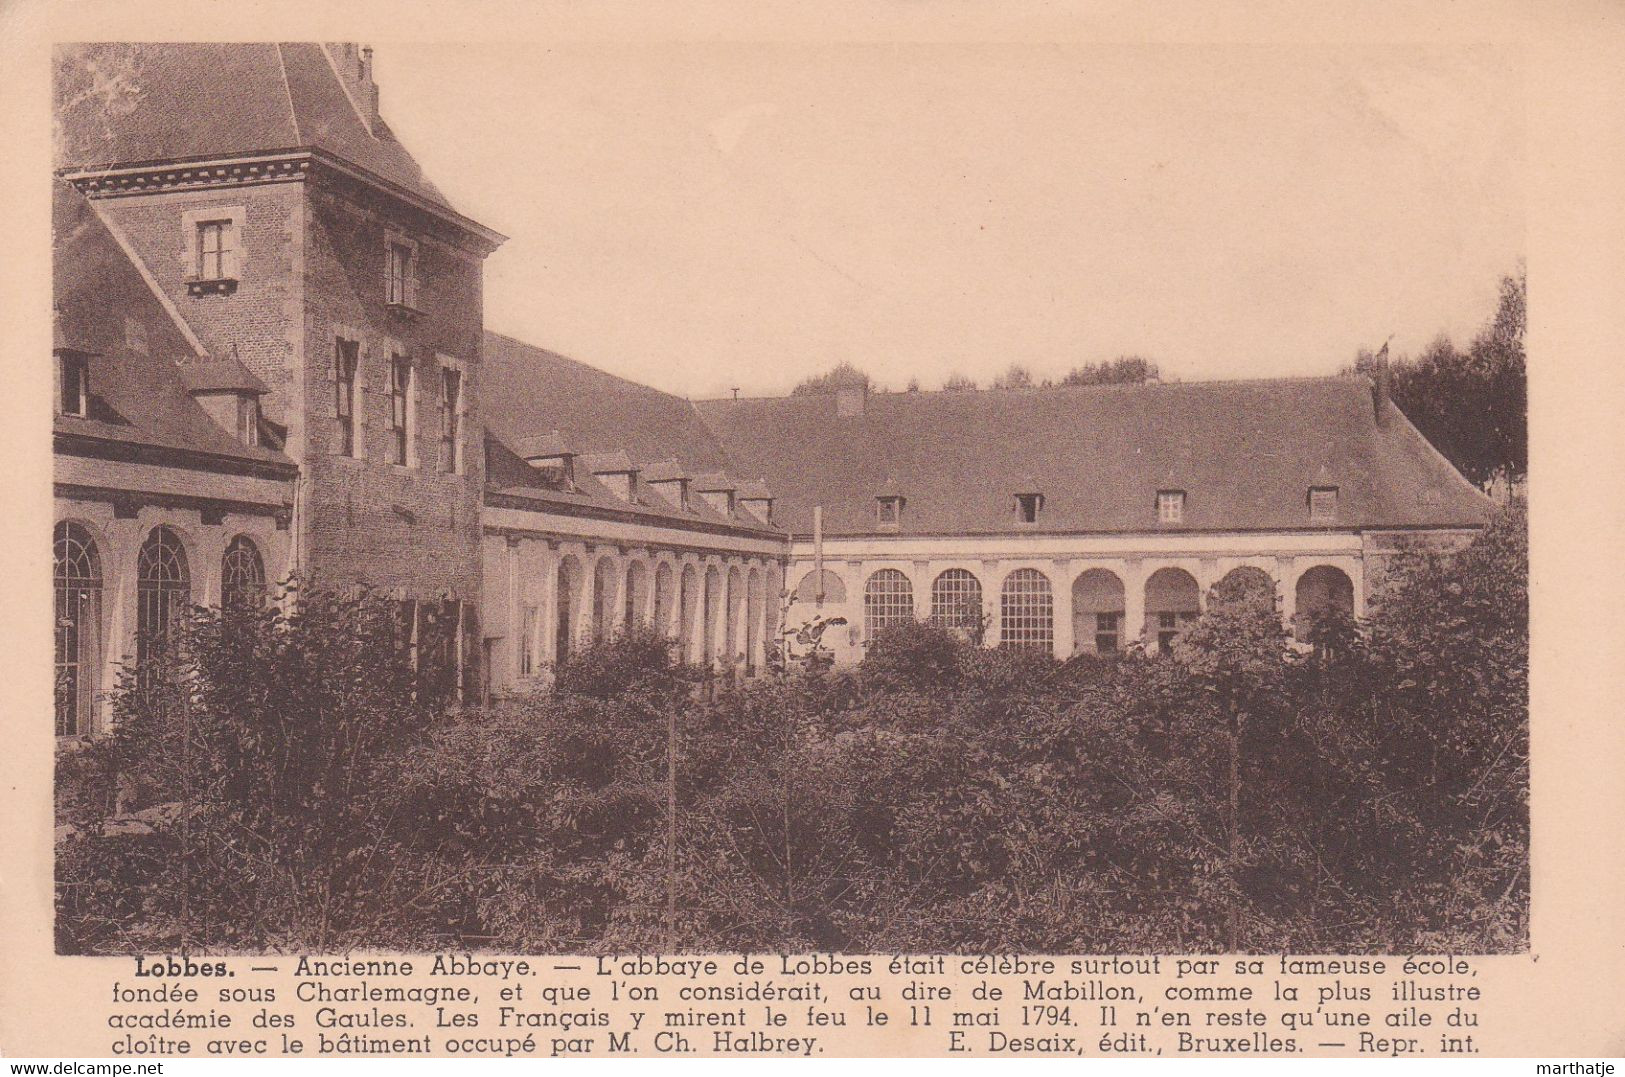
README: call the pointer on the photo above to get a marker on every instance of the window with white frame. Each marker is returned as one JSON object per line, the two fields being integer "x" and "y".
{"x": 1028, "y": 507}
{"x": 400, "y": 409}
{"x": 78, "y": 585}
{"x": 242, "y": 575}
{"x": 346, "y": 365}
{"x": 956, "y": 600}
{"x": 248, "y": 419}
{"x": 213, "y": 245}
{"x": 73, "y": 384}
{"x": 1322, "y": 504}
{"x": 1170, "y": 506}
{"x": 888, "y": 600}
{"x": 451, "y": 418}
{"x": 398, "y": 269}
{"x": 1027, "y": 611}
{"x": 888, "y": 511}
{"x": 214, "y": 249}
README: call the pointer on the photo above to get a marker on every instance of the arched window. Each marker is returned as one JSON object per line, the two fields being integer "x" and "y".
{"x": 568, "y": 608}
{"x": 1172, "y": 601}
{"x": 956, "y": 600}
{"x": 78, "y": 585}
{"x": 1097, "y": 612}
{"x": 833, "y": 590}
{"x": 1322, "y": 591}
{"x": 663, "y": 599}
{"x": 1027, "y": 611}
{"x": 888, "y": 600}
{"x": 163, "y": 588}
{"x": 242, "y": 575}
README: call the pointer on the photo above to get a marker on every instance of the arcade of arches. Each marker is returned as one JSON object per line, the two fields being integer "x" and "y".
{"x": 1065, "y": 607}
{"x": 547, "y": 597}
{"x": 120, "y": 584}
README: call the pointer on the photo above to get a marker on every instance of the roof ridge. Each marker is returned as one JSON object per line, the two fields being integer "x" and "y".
{"x": 343, "y": 85}
{"x": 1036, "y": 390}
{"x": 287, "y": 95}
{"x": 151, "y": 281}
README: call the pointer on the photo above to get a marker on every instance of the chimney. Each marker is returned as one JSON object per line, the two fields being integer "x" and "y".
{"x": 354, "y": 65}
{"x": 1381, "y": 386}
{"x": 369, "y": 88}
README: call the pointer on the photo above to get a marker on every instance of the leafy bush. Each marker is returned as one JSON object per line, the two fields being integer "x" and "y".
{"x": 284, "y": 783}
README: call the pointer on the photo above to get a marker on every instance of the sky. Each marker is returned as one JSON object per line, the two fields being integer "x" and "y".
{"x": 705, "y": 217}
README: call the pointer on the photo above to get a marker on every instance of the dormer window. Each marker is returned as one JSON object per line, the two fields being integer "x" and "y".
{"x": 889, "y": 511}
{"x": 230, "y": 394}
{"x": 1028, "y": 506}
{"x": 1170, "y": 506}
{"x": 1322, "y": 504}
{"x": 248, "y": 420}
{"x": 73, "y": 384}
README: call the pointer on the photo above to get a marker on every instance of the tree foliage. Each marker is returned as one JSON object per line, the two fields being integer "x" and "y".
{"x": 1473, "y": 404}
{"x": 283, "y": 788}
{"x": 839, "y": 376}
{"x": 1124, "y": 370}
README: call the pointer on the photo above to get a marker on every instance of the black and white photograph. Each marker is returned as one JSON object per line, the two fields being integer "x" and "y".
{"x": 846, "y": 500}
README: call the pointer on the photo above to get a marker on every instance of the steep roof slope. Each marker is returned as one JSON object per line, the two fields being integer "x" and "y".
{"x": 129, "y": 104}
{"x": 102, "y": 302}
{"x": 1245, "y": 452}
{"x": 527, "y": 391}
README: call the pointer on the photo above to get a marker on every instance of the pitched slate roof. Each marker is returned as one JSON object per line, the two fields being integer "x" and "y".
{"x": 533, "y": 399}
{"x": 129, "y": 104}
{"x": 527, "y": 391}
{"x": 136, "y": 399}
{"x": 227, "y": 375}
{"x": 1245, "y": 452}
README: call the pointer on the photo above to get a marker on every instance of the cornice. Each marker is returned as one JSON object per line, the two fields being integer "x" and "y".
{"x": 290, "y": 166}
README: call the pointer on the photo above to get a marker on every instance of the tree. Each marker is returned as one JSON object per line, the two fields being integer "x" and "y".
{"x": 1236, "y": 658}
{"x": 840, "y": 376}
{"x": 1471, "y": 405}
{"x": 1015, "y": 376}
{"x": 958, "y": 383}
{"x": 1124, "y": 370}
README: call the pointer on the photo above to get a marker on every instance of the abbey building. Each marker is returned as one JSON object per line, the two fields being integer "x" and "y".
{"x": 271, "y": 361}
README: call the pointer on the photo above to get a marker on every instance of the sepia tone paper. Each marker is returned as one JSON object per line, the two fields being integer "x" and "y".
{"x": 1560, "y": 1000}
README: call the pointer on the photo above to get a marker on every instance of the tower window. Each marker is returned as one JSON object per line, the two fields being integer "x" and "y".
{"x": 347, "y": 357}
{"x": 451, "y": 407}
{"x": 1170, "y": 506}
{"x": 213, "y": 249}
{"x": 400, "y": 410}
{"x": 398, "y": 275}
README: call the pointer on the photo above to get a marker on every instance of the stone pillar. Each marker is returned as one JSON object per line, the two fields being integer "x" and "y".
{"x": 1133, "y": 600}
{"x": 920, "y": 578}
{"x": 1286, "y": 581}
{"x": 1060, "y": 585}
{"x": 209, "y": 551}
